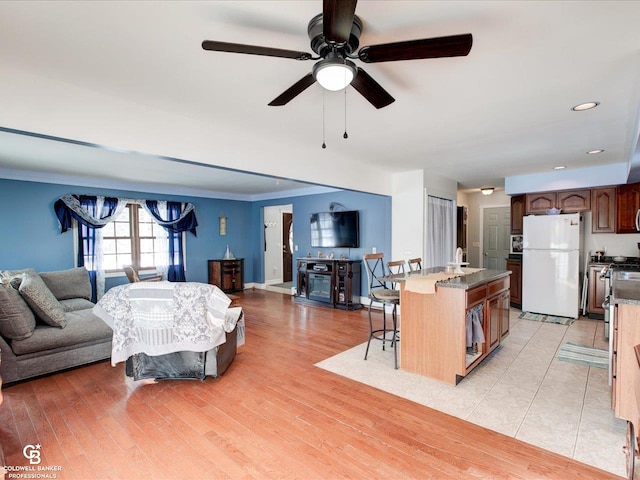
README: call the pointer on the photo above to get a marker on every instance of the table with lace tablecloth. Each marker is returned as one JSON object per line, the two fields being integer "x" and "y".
{"x": 173, "y": 330}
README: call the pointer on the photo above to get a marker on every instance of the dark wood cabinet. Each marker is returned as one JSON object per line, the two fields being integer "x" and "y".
{"x": 329, "y": 283}
{"x": 573, "y": 201}
{"x": 627, "y": 208}
{"x": 517, "y": 214}
{"x": 603, "y": 210}
{"x": 516, "y": 282}
{"x": 227, "y": 275}
{"x": 497, "y": 314}
{"x": 596, "y": 292}
{"x": 539, "y": 203}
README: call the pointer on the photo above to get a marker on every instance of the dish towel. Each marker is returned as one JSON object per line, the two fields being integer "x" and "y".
{"x": 474, "y": 325}
{"x": 427, "y": 283}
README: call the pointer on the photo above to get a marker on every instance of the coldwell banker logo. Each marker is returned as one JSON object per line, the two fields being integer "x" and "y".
{"x": 32, "y": 453}
{"x": 34, "y": 469}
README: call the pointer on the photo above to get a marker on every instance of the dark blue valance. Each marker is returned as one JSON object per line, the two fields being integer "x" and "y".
{"x": 70, "y": 207}
{"x": 182, "y": 217}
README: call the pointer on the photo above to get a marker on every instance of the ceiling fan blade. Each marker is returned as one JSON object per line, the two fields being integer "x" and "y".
{"x": 254, "y": 50}
{"x": 371, "y": 90}
{"x": 453, "y": 46}
{"x": 337, "y": 19}
{"x": 293, "y": 91}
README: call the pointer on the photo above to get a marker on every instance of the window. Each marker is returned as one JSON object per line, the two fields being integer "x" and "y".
{"x": 134, "y": 238}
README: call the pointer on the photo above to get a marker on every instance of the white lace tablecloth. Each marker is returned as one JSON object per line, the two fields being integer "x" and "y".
{"x": 156, "y": 318}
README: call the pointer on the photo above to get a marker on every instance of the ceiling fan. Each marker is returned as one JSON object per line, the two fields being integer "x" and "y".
{"x": 335, "y": 37}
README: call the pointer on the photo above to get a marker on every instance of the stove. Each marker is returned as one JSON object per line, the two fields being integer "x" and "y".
{"x": 629, "y": 263}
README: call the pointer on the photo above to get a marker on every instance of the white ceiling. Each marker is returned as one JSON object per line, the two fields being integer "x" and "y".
{"x": 132, "y": 77}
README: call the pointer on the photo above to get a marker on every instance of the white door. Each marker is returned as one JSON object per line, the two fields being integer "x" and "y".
{"x": 496, "y": 229}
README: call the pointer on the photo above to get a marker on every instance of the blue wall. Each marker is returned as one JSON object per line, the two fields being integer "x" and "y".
{"x": 375, "y": 225}
{"x": 30, "y": 234}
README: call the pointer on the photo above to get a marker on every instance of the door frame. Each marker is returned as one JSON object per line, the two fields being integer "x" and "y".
{"x": 285, "y": 208}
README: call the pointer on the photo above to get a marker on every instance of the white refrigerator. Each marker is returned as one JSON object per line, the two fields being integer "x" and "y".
{"x": 551, "y": 264}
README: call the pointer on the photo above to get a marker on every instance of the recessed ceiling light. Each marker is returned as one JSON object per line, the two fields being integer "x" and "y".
{"x": 559, "y": 167}
{"x": 598, "y": 150}
{"x": 585, "y": 106}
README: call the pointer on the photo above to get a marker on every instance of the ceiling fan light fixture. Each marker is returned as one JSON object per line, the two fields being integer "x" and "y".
{"x": 487, "y": 190}
{"x": 334, "y": 73}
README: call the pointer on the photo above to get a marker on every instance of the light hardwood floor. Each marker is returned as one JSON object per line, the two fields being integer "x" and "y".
{"x": 271, "y": 415}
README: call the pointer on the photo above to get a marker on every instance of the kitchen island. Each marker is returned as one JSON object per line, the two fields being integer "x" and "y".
{"x": 433, "y": 326}
{"x": 624, "y": 355}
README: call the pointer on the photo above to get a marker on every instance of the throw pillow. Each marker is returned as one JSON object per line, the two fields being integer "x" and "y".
{"x": 16, "y": 318}
{"x": 42, "y": 301}
{"x": 66, "y": 284}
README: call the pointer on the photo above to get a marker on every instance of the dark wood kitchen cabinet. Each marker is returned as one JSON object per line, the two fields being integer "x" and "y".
{"x": 603, "y": 210}
{"x": 227, "y": 275}
{"x": 596, "y": 293}
{"x": 627, "y": 208}
{"x": 516, "y": 282}
{"x": 517, "y": 214}
{"x": 573, "y": 201}
{"x": 539, "y": 203}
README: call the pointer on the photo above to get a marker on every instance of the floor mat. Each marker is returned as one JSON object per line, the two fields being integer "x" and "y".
{"x": 539, "y": 317}
{"x": 583, "y": 355}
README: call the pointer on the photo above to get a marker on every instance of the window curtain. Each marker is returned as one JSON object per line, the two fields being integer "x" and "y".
{"x": 175, "y": 218}
{"x": 440, "y": 232}
{"x": 92, "y": 213}
{"x": 179, "y": 218}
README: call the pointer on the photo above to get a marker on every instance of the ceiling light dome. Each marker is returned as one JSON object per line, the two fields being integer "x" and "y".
{"x": 585, "y": 106}
{"x": 487, "y": 190}
{"x": 334, "y": 73}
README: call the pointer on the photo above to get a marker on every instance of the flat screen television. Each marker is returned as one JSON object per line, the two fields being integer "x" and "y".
{"x": 335, "y": 229}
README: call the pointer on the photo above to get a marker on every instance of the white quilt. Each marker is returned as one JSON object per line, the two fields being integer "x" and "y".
{"x": 156, "y": 318}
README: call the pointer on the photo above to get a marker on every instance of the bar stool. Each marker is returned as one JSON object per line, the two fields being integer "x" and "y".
{"x": 381, "y": 293}
{"x": 415, "y": 264}
{"x": 395, "y": 267}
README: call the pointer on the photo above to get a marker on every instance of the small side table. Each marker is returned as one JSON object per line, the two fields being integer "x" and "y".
{"x": 227, "y": 274}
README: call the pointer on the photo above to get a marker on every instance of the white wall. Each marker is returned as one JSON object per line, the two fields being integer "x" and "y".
{"x": 625, "y": 245}
{"x": 407, "y": 215}
{"x": 80, "y": 113}
{"x": 408, "y": 212}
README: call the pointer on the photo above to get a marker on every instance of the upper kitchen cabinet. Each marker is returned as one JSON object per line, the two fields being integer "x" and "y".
{"x": 603, "y": 210}
{"x": 573, "y": 201}
{"x": 539, "y": 203}
{"x": 517, "y": 213}
{"x": 628, "y": 208}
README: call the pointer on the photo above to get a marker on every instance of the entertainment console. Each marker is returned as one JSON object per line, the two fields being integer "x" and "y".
{"x": 329, "y": 283}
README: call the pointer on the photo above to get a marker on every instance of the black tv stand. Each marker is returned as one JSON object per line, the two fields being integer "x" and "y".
{"x": 333, "y": 283}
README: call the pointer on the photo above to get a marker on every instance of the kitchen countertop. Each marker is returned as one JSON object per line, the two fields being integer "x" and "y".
{"x": 464, "y": 282}
{"x": 625, "y": 291}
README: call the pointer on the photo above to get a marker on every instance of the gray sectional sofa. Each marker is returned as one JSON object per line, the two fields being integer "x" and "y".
{"x": 47, "y": 324}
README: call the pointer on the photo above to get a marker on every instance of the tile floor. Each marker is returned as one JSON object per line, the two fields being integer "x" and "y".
{"x": 557, "y": 405}
{"x": 520, "y": 390}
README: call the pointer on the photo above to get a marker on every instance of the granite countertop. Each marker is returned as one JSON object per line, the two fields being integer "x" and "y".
{"x": 464, "y": 282}
{"x": 625, "y": 290}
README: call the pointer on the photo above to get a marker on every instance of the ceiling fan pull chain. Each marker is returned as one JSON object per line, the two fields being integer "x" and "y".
{"x": 324, "y": 145}
{"x": 345, "y": 114}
